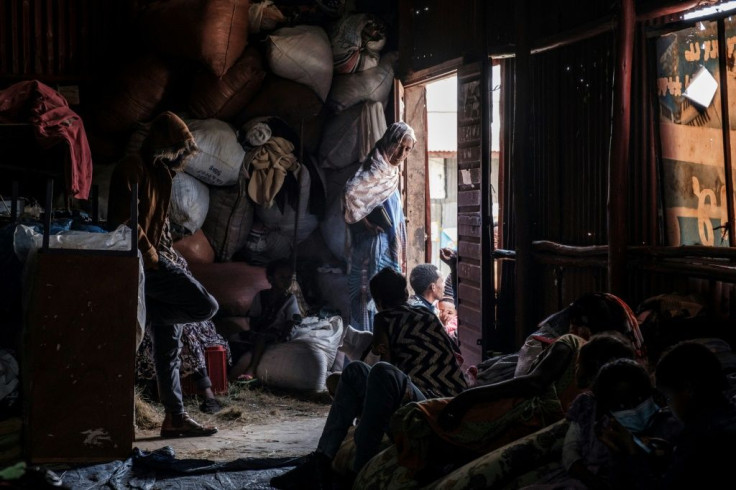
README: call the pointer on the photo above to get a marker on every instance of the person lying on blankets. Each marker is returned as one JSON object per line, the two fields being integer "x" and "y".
{"x": 272, "y": 317}
{"x": 597, "y": 311}
{"x": 434, "y": 436}
{"x": 605, "y": 310}
{"x": 386, "y": 471}
{"x": 418, "y": 362}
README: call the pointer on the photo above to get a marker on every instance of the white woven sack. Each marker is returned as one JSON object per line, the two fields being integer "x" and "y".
{"x": 302, "y": 54}
{"x": 350, "y": 135}
{"x": 374, "y": 84}
{"x": 190, "y": 201}
{"x": 220, "y": 155}
{"x": 302, "y": 363}
{"x": 352, "y": 51}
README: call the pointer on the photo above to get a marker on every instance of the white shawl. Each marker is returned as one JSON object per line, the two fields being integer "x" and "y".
{"x": 372, "y": 184}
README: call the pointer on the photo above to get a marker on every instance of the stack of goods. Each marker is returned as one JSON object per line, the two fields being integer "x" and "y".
{"x": 284, "y": 102}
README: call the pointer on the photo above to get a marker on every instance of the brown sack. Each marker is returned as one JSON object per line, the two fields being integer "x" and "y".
{"x": 214, "y": 32}
{"x": 195, "y": 248}
{"x": 293, "y": 103}
{"x": 233, "y": 284}
{"x": 132, "y": 96}
{"x": 223, "y": 98}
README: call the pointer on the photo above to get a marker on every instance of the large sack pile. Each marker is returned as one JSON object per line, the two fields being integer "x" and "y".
{"x": 284, "y": 102}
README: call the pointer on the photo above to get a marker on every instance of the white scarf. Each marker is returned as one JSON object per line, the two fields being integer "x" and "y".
{"x": 372, "y": 184}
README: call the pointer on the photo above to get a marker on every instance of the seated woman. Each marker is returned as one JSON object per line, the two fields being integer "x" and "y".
{"x": 272, "y": 316}
{"x": 435, "y": 436}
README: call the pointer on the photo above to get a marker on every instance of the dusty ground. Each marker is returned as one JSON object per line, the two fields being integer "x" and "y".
{"x": 255, "y": 422}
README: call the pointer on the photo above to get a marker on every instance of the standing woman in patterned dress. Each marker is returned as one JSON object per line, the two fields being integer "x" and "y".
{"x": 374, "y": 213}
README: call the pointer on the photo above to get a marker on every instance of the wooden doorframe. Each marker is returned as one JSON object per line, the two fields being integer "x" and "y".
{"x": 416, "y": 193}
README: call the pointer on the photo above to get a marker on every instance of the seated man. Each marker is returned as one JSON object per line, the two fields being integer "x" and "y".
{"x": 418, "y": 362}
{"x": 428, "y": 285}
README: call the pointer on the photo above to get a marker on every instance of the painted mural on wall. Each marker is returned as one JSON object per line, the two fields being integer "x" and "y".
{"x": 693, "y": 171}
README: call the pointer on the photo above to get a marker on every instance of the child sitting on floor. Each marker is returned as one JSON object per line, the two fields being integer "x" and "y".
{"x": 272, "y": 316}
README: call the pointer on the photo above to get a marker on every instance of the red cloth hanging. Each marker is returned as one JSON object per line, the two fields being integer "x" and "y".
{"x": 54, "y": 122}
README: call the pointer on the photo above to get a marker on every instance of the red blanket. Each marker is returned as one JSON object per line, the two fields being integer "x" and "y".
{"x": 54, "y": 122}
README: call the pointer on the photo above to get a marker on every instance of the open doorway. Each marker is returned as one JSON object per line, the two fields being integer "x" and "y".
{"x": 442, "y": 167}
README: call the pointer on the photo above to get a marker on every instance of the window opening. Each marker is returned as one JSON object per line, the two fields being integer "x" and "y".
{"x": 442, "y": 166}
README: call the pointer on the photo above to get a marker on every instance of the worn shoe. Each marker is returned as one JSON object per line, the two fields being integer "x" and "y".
{"x": 315, "y": 473}
{"x": 210, "y": 405}
{"x": 182, "y": 425}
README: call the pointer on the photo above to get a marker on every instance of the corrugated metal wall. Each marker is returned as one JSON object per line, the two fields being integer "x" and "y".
{"x": 571, "y": 114}
{"x": 57, "y": 40}
{"x": 424, "y": 19}
{"x": 570, "y": 123}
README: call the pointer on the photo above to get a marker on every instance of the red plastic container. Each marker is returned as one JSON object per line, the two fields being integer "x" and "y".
{"x": 216, "y": 358}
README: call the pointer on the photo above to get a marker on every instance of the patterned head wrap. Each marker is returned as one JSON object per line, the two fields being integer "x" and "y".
{"x": 392, "y": 138}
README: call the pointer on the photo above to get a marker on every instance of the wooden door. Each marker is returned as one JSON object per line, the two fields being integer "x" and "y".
{"x": 475, "y": 220}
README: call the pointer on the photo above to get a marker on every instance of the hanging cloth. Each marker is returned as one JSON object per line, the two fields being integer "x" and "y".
{"x": 268, "y": 168}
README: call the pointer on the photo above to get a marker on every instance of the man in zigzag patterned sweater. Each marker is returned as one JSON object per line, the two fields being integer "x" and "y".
{"x": 417, "y": 362}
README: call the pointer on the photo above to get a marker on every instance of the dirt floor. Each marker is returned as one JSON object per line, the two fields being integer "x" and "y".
{"x": 255, "y": 422}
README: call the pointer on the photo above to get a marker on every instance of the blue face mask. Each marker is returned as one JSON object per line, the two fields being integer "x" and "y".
{"x": 636, "y": 419}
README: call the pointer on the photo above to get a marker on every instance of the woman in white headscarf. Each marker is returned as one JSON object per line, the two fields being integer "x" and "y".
{"x": 373, "y": 209}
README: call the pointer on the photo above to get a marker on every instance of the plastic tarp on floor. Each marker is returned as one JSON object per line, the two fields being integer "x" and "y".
{"x": 160, "y": 469}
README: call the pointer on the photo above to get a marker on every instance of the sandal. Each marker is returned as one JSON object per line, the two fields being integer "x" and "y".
{"x": 210, "y": 405}
{"x": 185, "y": 426}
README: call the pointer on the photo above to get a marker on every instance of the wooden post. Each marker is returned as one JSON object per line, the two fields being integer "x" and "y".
{"x": 520, "y": 174}
{"x": 619, "y": 153}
